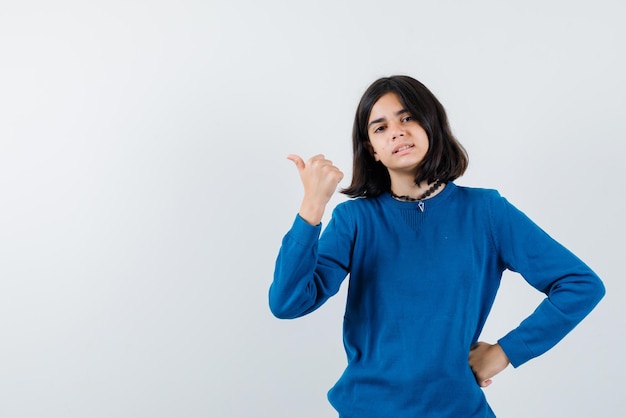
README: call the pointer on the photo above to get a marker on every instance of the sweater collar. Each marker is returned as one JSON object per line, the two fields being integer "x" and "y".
{"x": 431, "y": 202}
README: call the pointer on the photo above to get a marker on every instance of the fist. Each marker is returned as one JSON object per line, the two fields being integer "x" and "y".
{"x": 486, "y": 361}
{"x": 319, "y": 178}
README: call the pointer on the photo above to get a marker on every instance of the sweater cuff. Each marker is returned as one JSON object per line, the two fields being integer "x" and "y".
{"x": 515, "y": 349}
{"x": 303, "y": 232}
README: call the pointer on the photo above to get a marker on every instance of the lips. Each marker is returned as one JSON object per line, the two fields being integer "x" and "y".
{"x": 402, "y": 147}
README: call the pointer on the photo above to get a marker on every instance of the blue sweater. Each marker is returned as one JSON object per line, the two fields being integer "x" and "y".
{"x": 421, "y": 286}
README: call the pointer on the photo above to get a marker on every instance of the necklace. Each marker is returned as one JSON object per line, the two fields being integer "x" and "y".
{"x": 419, "y": 200}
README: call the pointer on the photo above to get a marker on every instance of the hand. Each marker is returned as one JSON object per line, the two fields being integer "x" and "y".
{"x": 319, "y": 178}
{"x": 486, "y": 361}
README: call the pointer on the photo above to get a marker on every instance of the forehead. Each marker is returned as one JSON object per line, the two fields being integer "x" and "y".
{"x": 388, "y": 104}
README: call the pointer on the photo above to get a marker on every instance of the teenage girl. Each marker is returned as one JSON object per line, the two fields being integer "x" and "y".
{"x": 425, "y": 258}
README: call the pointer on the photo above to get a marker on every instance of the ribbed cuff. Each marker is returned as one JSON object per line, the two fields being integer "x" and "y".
{"x": 303, "y": 232}
{"x": 515, "y": 349}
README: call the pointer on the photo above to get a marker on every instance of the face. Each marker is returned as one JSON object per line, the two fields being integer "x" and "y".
{"x": 397, "y": 140}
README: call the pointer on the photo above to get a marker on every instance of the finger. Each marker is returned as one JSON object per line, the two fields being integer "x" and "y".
{"x": 299, "y": 162}
{"x": 317, "y": 157}
{"x": 477, "y": 345}
{"x": 325, "y": 165}
{"x": 485, "y": 383}
{"x": 319, "y": 160}
{"x": 327, "y": 168}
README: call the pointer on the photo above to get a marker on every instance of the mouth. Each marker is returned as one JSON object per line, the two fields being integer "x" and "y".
{"x": 403, "y": 148}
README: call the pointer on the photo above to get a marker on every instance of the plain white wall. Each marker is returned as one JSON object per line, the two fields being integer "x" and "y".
{"x": 144, "y": 189}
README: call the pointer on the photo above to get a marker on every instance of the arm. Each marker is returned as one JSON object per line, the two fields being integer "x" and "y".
{"x": 304, "y": 279}
{"x": 308, "y": 271}
{"x": 572, "y": 289}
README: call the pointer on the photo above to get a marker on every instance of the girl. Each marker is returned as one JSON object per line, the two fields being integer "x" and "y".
{"x": 425, "y": 259}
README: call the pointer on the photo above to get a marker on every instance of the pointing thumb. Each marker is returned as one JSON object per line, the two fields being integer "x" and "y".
{"x": 299, "y": 162}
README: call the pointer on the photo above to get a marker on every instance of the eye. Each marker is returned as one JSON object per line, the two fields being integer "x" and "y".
{"x": 407, "y": 118}
{"x": 379, "y": 129}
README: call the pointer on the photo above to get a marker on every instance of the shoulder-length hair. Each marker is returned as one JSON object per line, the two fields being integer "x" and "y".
{"x": 445, "y": 160}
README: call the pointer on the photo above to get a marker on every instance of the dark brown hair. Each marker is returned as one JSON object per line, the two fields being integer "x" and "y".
{"x": 446, "y": 159}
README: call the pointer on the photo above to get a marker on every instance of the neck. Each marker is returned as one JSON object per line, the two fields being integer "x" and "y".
{"x": 414, "y": 191}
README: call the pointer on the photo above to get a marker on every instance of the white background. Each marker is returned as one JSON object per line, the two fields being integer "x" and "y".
{"x": 144, "y": 190}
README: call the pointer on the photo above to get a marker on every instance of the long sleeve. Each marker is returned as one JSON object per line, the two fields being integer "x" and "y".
{"x": 310, "y": 270}
{"x": 572, "y": 289}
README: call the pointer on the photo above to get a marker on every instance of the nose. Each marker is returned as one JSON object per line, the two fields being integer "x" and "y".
{"x": 396, "y": 131}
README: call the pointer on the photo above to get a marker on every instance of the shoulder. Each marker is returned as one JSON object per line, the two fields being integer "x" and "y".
{"x": 489, "y": 202}
{"x": 354, "y": 206}
{"x": 359, "y": 203}
{"x": 477, "y": 196}
{"x": 477, "y": 193}
{"x": 356, "y": 210}
{"x": 502, "y": 215}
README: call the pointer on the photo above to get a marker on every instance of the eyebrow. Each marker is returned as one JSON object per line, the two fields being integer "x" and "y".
{"x": 398, "y": 113}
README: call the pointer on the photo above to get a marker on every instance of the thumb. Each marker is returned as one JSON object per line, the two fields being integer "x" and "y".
{"x": 299, "y": 162}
